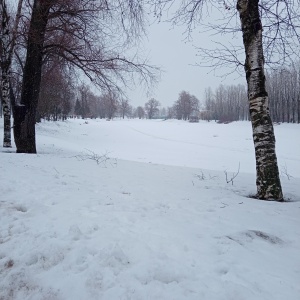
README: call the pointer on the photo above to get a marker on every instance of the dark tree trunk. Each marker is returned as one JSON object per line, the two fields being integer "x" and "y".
{"x": 267, "y": 174}
{"x": 25, "y": 113}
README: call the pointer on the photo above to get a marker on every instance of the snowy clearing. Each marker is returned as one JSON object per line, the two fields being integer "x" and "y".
{"x": 157, "y": 220}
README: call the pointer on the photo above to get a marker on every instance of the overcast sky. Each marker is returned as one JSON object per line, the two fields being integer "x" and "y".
{"x": 165, "y": 47}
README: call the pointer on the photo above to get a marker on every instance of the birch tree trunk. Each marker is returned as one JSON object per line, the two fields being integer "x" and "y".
{"x": 6, "y": 109}
{"x": 267, "y": 174}
{"x": 7, "y": 47}
{"x": 5, "y": 76}
{"x": 24, "y": 116}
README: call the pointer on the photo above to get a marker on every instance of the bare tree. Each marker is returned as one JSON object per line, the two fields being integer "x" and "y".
{"x": 283, "y": 86}
{"x": 56, "y": 93}
{"x": 140, "y": 112}
{"x": 110, "y": 104}
{"x": 93, "y": 105}
{"x": 170, "y": 112}
{"x": 25, "y": 113}
{"x": 186, "y": 105}
{"x": 209, "y": 103}
{"x": 151, "y": 108}
{"x": 226, "y": 104}
{"x": 163, "y": 112}
{"x": 77, "y": 108}
{"x": 278, "y": 40}
{"x": 124, "y": 107}
{"x": 7, "y": 44}
{"x": 90, "y": 36}
{"x": 267, "y": 173}
{"x": 84, "y": 95}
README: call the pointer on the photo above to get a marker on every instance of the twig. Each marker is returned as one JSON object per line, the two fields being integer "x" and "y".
{"x": 202, "y": 176}
{"x": 284, "y": 171}
{"x": 225, "y": 204}
{"x": 99, "y": 159}
{"x": 234, "y": 175}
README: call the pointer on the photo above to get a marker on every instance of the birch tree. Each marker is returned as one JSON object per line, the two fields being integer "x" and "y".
{"x": 267, "y": 174}
{"x": 7, "y": 43}
{"x": 280, "y": 41}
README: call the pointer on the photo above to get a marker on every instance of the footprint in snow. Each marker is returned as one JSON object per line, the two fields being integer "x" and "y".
{"x": 75, "y": 233}
{"x": 250, "y": 235}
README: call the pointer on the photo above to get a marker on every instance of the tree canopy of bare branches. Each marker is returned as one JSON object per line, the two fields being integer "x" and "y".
{"x": 280, "y": 30}
{"x": 186, "y": 105}
{"x": 151, "y": 108}
{"x": 95, "y": 38}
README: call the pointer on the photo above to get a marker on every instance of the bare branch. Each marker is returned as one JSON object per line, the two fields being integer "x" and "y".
{"x": 233, "y": 176}
{"x": 222, "y": 56}
{"x": 99, "y": 159}
{"x": 284, "y": 171}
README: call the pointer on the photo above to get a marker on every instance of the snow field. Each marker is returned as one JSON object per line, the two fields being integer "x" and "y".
{"x": 157, "y": 221}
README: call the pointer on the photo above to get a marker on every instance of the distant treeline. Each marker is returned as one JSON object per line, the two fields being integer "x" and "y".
{"x": 230, "y": 103}
{"x": 60, "y": 98}
{"x": 284, "y": 94}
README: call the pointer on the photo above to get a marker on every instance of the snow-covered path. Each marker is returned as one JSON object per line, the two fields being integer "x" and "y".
{"x": 156, "y": 222}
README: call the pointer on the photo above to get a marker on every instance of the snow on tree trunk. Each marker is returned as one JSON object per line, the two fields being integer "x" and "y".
{"x": 267, "y": 174}
{"x": 5, "y": 67}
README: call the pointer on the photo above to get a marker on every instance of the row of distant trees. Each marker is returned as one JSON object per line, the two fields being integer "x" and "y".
{"x": 61, "y": 96}
{"x": 226, "y": 104}
{"x": 230, "y": 103}
{"x": 284, "y": 93}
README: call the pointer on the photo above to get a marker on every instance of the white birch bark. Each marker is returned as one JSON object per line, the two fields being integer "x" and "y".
{"x": 267, "y": 174}
{"x": 5, "y": 65}
{"x": 8, "y": 41}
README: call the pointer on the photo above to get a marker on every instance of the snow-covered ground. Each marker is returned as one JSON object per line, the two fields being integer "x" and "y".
{"x": 157, "y": 220}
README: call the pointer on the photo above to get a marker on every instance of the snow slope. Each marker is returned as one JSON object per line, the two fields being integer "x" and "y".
{"x": 155, "y": 221}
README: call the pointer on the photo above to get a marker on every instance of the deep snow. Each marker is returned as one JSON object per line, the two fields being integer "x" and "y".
{"x": 155, "y": 221}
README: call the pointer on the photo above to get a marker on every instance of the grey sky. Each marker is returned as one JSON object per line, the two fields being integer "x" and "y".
{"x": 166, "y": 48}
